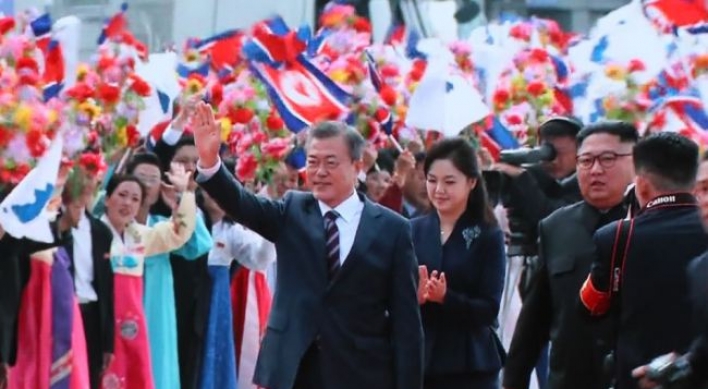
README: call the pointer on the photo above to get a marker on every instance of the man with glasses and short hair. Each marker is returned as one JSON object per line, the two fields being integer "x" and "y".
{"x": 638, "y": 278}
{"x": 549, "y": 311}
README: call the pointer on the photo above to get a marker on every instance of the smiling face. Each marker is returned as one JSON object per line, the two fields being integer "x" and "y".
{"x": 377, "y": 183}
{"x": 448, "y": 188}
{"x": 605, "y": 170}
{"x": 123, "y": 203}
{"x": 331, "y": 171}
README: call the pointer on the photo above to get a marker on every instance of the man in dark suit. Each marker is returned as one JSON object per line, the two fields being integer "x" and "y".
{"x": 91, "y": 271}
{"x": 565, "y": 255}
{"x": 696, "y": 369}
{"x": 345, "y": 312}
{"x": 645, "y": 290}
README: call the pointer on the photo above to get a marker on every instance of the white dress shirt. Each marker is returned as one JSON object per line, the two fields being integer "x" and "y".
{"x": 83, "y": 261}
{"x": 348, "y": 222}
{"x": 233, "y": 241}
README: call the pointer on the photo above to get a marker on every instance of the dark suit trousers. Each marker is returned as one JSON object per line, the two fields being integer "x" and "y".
{"x": 462, "y": 381}
{"x": 309, "y": 374}
{"x": 91, "y": 316}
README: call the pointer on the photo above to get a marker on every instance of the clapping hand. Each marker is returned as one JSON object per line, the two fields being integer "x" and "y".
{"x": 431, "y": 287}
{"x": 207, "y": 135}
{"x": 437, "y": 287}
{"x": 422, "y": 284}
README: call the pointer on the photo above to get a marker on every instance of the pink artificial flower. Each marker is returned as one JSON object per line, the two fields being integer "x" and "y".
{"x": 246, "y": 166}
{"x": 276, "y": 148}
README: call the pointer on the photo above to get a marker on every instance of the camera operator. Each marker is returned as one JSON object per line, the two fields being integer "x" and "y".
{"x": 532, "y": 192}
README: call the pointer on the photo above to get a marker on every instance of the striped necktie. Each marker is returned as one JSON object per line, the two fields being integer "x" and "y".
{"x": 332, "y": 239}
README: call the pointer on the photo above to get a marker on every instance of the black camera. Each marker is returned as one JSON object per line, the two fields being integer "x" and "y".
{"x": 528, "y": 156}
{"x": 670, "y": 372}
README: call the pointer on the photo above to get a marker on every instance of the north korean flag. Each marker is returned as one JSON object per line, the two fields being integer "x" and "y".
{"x": 302, "y": 94}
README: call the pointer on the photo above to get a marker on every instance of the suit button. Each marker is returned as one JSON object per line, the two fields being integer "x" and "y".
{"x": 318, "y": 341}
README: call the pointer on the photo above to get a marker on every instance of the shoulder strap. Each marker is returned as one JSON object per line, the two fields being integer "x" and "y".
{"x": 620, "y": 250}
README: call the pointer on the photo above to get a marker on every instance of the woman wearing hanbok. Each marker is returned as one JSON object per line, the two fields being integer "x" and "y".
{"x": 51, "y": 345}
{"x": 159, "y": 298}
{"x": 132, "y": 243}
{"x": 231, "y": 242}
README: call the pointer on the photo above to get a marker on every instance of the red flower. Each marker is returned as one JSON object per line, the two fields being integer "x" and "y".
{"x": 92, "y": 162}
{"x": 538, "y": 55}
{"x": 109, "y": 93}
{"x": 139, "y": 86}
{"x": 6, "y": 24}
{"x": 133, "y": 135}
{"x": 92, "y": 138}
{"x": 418, "y": 69}
{"x": 6, "y": 136}
{"x": 389, "y": 71}
{"x": 276, "y": 148}
{"x": 106, "y": 62}
{"x": 514, "y": 120}
{"x": 536, "y": 88}
{"x": 521, "y": 32}
{"x": 636, "y": 65}
{"x": 258, "y": 137}
{"x": 356, "y": 69}
{"x": 240, "y": 115}
{"x": 246, "y": 166}
{"x": 36, "y": 143}
{"x": 388, "y": 95}
{"x": 80, "y": 92}
{"x": 19, "y": 172}
{"x": 217, "y": 93}
{"x": 362, "y": 25}
{"x": 500, "y": 98}
{"x": 381, "y": 114}
{"x": 274, "y": 122}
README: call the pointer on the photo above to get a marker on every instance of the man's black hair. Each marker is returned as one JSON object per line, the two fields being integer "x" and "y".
{"x": 669, "y": 160}
{"x": 145, "y": 158}
{"x": 626, "y": 132}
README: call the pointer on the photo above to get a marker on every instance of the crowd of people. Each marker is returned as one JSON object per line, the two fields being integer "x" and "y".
{"x": 386, "y": 269}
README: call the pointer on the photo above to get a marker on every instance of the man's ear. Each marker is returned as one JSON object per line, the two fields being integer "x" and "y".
{"x": 358, "y": 165}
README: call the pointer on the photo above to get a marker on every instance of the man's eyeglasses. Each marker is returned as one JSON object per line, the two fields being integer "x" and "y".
{"x": 606, "y": 160}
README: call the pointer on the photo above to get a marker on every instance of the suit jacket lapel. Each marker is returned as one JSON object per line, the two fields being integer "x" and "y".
{"x": 432, "y": 247}
{"x": 366, "y": 231}
{"x": 314, "y": 219}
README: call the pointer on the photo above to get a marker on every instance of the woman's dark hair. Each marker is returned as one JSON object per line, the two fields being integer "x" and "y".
{"x": 115, "y": 182}
{"x": 464, "y": 158}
